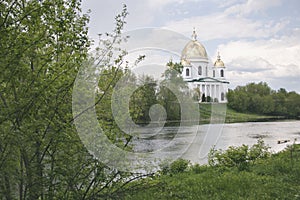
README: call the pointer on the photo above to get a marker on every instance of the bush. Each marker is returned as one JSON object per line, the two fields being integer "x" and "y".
{"x": 239, "y": 157}
{"x": 178, "y": 166}
{"x": 197, "y": 169}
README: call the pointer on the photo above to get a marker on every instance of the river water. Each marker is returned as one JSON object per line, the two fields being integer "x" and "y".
{"x": 194, "y": 143}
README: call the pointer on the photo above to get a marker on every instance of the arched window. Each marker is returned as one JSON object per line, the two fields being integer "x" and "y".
{"x": 214, "y": 73}
{"x": 222, "y": 73}
{"x": 187, "y": 72}
{"x": 199, "y": 70}
{"x": 222, "y": 96}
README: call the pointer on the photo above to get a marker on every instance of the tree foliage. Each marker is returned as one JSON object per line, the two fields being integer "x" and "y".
{"x": 171, "y": 89}
{"x": 261, "y": 99}
{"x": 42, "y": 46}
{"x": 142, "y": 99}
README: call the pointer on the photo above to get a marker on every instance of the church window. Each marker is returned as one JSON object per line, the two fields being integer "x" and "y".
{"x": 187, "y": 72}
{"x": 214, "y": 73}
{"x": 199, "y": 70}
{"x": 222, "y": 73}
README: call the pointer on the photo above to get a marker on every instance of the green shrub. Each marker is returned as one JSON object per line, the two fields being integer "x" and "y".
{"x": 239, "y": 157}
{"x": 178, "y": 166}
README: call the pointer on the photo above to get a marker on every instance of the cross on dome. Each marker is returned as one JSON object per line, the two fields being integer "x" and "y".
{"x": 194, "y": 35}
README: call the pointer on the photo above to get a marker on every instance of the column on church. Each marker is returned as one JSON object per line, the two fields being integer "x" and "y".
{"x": 211, "y": 94}
{"x": 218, "y": 92}
{"x": 215, "y": 91}
{"x": 208, "y": 89}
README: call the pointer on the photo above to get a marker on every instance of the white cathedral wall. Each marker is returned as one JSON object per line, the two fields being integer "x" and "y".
{"x": 195, "y": 65}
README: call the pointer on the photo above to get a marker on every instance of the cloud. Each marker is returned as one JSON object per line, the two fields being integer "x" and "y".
{"x": 284, "y": 50}
{"x": 249, "y": 65}
{"x": 252, "y": 6}
{"x": 221, "y": 26}
{"x": 272, "y": 60}
{"x": 254, "y": 37}
{"x": 164, "y": 3}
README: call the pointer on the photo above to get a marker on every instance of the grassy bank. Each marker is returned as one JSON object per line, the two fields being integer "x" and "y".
{"x": 233, "y": 117}
{"x": 275, "y": 177}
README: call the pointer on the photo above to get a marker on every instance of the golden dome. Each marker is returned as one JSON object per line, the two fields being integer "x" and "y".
{"x": 219, "y": 62}
{"x": 194, "y": 49}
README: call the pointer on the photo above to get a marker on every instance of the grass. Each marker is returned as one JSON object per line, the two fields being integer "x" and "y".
{"x": 233, "y": 116}
{"x": 276, "y": 177}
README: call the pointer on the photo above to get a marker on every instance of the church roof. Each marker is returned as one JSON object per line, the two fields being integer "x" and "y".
{"x": 208, "y": 79}
{"x": 219, "y": 62}
{"x": 194, "y": 49}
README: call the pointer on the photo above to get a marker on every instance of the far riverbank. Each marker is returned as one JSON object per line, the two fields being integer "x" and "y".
{"x": 236, "y": 117}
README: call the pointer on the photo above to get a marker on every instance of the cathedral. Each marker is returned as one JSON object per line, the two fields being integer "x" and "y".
{"x": 209, "y": 80}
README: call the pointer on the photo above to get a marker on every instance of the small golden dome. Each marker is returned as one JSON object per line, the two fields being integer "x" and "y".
{"x": 219, "y": 62}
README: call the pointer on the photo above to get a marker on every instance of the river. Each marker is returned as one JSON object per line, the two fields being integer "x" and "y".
{"x": 194, "y": 143}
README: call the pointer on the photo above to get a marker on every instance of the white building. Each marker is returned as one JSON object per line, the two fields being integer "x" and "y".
{"x": 202, "y": 76}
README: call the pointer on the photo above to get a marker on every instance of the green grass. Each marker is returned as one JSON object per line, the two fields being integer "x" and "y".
{"x": 276, "y": 177}
{"x": 233, "y": 116}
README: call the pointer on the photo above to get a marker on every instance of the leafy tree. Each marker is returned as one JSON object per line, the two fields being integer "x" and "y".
{"x": 43, "y": 43}
{"x": 107, "y": 81}
{"x": 42, "y": 46}
{"x": 142, "y": 99}
{"x": 196, "y": 94}
{"x": 261, "y": 99}
{"x": 172, "y": 88}
{"x": 293, "y": 104}
{"x": 279, "y": 99}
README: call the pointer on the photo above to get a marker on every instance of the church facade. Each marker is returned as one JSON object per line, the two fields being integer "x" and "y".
{"x": 205, "y": 78}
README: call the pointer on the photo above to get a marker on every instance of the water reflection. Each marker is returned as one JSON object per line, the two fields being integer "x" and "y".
{"x": 234, "y": 134}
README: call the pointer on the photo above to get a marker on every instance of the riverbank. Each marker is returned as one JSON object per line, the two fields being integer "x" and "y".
{"x": 231, "y": 116}
{"x": 274, "y": 177}
{"x": 235, "y": 117}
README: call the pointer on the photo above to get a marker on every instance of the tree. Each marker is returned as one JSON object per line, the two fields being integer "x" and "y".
{"x": 261, "y": 99}
{"x": 171, "y": 90}
{"x": 142, "y": 100}
{"x": 42, "y": 46}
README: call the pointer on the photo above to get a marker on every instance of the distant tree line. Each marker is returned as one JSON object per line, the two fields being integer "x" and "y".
{"x": 259, "y": 98}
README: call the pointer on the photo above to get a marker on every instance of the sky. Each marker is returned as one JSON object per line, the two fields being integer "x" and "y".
{"x": 258, "y": 40}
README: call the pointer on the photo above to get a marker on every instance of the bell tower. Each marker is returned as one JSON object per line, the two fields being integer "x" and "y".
{"x": 219, "y": 70}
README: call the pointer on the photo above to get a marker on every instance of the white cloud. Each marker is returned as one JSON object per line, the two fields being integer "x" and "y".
{"x": 162, "y": 3}
{"x": 249, "y": 65}
{"x": 282, "y": 51}
{"x": 252, "y": 6}
{"x": 257, "y": 50}
{"x": 274, "y": 61}
{"x": 221, "y": 26}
